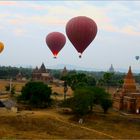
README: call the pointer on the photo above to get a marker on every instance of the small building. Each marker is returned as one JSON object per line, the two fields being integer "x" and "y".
{"x": 42, "y": 74}
{"x": 20, "y": 78}
{"x": 128, "y": 98}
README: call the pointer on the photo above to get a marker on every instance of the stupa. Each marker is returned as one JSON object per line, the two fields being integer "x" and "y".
{"x": 128, "y": 98}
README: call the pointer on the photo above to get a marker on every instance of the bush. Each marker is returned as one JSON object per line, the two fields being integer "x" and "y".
{"x": 36, "y": 94}
{"x": 7, "y": 87}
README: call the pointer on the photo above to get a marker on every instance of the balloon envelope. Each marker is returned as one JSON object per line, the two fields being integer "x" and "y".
{"x": 81, "y": 31}
{"x": 1, "y": 47}
{"x": 55, "y": 42}
{"x": 137, "y": 57}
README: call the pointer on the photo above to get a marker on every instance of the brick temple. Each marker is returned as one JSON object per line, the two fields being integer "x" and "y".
{"x": 128, "y": 98}
{"x": 42, "y": 74}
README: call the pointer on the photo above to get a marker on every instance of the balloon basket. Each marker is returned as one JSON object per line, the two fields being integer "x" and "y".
{"x": 80, "y": 56}
{"x": 54, "y": 57}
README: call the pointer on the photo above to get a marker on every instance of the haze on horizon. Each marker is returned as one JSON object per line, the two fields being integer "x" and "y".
{"x": 25, "y": 24}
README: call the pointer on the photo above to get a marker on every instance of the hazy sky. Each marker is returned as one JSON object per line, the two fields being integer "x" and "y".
{"x": 25, "y": 24}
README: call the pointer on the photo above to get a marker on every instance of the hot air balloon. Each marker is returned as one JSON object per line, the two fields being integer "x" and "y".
{"x": 81, "y": 31}
{"x": 1, "y": 47}
{"x": 55, "y": 42}
{"x": 137, "y": 57}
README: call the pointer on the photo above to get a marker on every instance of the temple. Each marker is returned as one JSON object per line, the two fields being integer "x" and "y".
{"x": 111, "y": 69}
{"x": 20, "y": 78}
{"x": 41, "y": 74}
{"x": 64, "y": 72}
{"x": 128, "y": 98}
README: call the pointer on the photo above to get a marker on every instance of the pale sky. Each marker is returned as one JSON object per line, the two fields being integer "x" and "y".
{"x": 25, "y": 24}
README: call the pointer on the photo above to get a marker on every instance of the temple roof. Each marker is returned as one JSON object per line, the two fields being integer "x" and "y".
{"x": 129, "y": 85}
{"x": 42, "y": 68}
{"x": 35, "y": 70}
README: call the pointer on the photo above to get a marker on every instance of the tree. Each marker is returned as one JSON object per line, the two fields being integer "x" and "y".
{"x": 79, "y": 80}
{"x": 102, "y": 98}
{"x": 86, "y": 97}
{"x": 81, "y": 102}
{"x": 36, "y": 94}
{"x": 13, "y": 90}
{"x": 7, "y": 87}
{"x": 107, "y": 77}
{"x": 56, "y": 73}
{"x": 7, "y": 72}
{"x": 106, "y": 104}
{"x": 99, "y": 94}
{"x": 91, "y": 81}
{"x": 120, "y": 83}
{"x": 100, "y": 82}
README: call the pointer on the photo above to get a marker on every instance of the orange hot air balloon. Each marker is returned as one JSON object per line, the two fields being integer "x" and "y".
{"x": 1, "y": 47}
{"x": 81, "y": 31}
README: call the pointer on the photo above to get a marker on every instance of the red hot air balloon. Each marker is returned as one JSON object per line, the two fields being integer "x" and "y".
{"x": 55, "y": 42}
{"x": 81, "y": 31}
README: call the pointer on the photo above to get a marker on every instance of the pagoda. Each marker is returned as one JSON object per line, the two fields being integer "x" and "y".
{"x": 129, "y": 85}
{"x": 128, "y": 98}
{"x": 111, "y": 69}
{"x": 64, "y": 72}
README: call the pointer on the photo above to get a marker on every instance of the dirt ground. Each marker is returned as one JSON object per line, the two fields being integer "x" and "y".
{"x": 53, "y": 123}
{"x": 41, "y": 125}
{"x": 19, "y": 85}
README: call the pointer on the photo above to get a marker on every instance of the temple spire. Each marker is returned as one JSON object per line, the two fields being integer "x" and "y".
{"x": 111, "y": 69}
{"x": 129, "y": 85}
{"x": 64, "y": 72}
{"x": 42, "y": 68}
{"x": 129, "y": 74}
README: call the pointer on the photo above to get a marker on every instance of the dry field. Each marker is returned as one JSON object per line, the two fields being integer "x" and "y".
{"x": 53, "y": 124}
{"x": 41, "y": 125}
{"x": 119, "y": 126}
{"x": 19, "y": 85}
{"x": 60, "y": 90}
